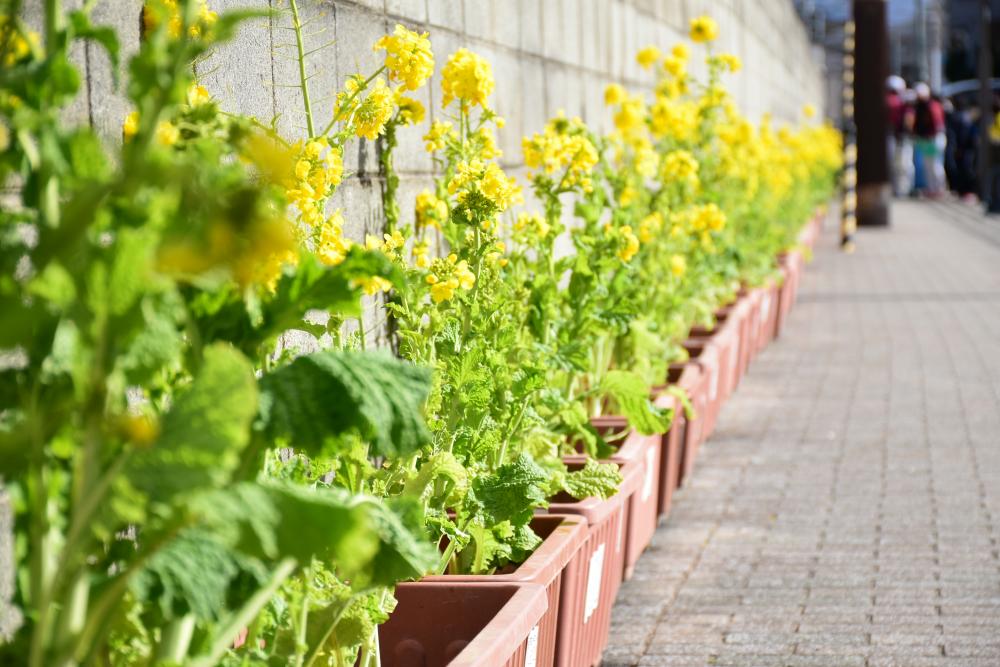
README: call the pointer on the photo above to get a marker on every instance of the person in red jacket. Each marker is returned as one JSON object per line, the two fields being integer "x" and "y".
{"x": 926, "y": 122}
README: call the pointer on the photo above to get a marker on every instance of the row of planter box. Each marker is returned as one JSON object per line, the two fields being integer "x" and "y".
{"x": 555, "y": 608}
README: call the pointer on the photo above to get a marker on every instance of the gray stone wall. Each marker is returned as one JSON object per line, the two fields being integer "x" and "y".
{"x": 547, "y": 55}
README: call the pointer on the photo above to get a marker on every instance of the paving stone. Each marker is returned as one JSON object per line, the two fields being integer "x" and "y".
{"x": 847, "y": 509}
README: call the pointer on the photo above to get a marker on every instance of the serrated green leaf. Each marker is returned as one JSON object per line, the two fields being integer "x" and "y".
{"x": 512, "y": 492}
{"x": 631, "y": 394}
{"x": 328, "y": 393}
{"x": 203, "y": 434}
{"x": 593, "y": 480}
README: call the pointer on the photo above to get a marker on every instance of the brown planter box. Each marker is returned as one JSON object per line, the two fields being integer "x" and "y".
{"x": 707, "y": 355}
{"x": 689, "y": 377}
{"x": 671, "y": 452}
{"x": 562, "y": 536}
{"x": 592, "y": 580}
{"x": 790, "y": 264}
{"x": 463, "y": 625}
{"x": 646, "y": 452}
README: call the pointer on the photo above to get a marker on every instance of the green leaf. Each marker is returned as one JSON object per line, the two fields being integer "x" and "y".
{"x": 328, "y": 393}
{"x": 631, "y": 394}
{"x": 594, "y": 479}
{"x": 404, "y": 552}
{"x": 130, "y": 268}
{"x": 203, "y": 434}
{"x": 191, "y": 573}
{"x": 54, "y": 284}
{"x": 512, "y": 492}
{"x": 271, "y": 520}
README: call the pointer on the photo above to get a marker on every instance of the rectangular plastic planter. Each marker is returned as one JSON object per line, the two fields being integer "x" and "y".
{"x": 790, "y": 264}
{"x": 646, "y": 452}
{"x": 706, "y": 354}
{"x": 562, "y": 536}
{"x": 592, "y": 580}
{"x": 670, "y": 454}
{"x": 688, "y": 376}
{"x": 463, "y": 625}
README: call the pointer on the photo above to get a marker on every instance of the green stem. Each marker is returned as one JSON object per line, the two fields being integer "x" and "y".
{"x": 303, "y": 79}
{"x": 175, "y": 640}
{"x": 348, "y": 102}
{"x": 224, "y": 636}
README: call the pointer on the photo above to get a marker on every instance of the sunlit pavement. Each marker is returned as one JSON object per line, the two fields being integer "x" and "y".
{"x": 847, "y": 510}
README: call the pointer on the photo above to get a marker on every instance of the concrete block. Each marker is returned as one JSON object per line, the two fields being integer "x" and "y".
{"x": 481, "y": 18}
{"x": 409, "y": 11}
{"x": 530, "y": 19}
{"x": 448, "y": 14}
{"x": 108, "y": 103}
{"x": 239, "y": 74}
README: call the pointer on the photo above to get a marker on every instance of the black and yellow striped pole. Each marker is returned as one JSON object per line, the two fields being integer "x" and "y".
{"x": 849, "y": 204}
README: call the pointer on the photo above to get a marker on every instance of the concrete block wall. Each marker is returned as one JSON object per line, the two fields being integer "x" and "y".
{"x": 547, "y": 55}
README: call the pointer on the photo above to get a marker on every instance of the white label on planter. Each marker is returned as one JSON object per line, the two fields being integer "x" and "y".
{"x": 594, "y": 572}
{"x": 531, "y": 653}
{"x": 647, "y": 483}
{"x": 765, "y": 307}
{"x": 713, "y": 385}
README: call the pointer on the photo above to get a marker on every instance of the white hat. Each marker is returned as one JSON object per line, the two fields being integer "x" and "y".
{"x": 896, "y": 83}
{"x": 923, "y": 91}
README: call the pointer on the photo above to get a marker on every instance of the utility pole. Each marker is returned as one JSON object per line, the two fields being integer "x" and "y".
{"x": 871, "y": 117}
{"x": 985, "y": 106}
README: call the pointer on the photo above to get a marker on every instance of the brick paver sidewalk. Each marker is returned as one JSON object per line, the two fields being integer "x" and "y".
{"x": 847, "y": 510}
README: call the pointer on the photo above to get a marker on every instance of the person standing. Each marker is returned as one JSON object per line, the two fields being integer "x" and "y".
{"x": 900, "y": 147}
{"x": 927, "y": 122}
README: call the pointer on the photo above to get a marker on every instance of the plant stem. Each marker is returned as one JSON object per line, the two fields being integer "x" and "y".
{"x": 303, "y": 79}
{"x": 175, "y": 640}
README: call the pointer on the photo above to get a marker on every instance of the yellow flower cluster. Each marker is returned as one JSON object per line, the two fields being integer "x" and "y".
{"x": 430, "y": 210}
{"x": 680, "y": 166}
{"x": 489, "y": 180}
{"x": 17, "y": 45}
{"x": 313, "y": 179}
{"x": 562, "y": 146}
{"x": 708, "y": 217}
{"x": 704, "y": 29}
{"x": 374, "y": 111}
{"x": 467, "y": 77}
{"x": 331, "y": 245}
{"x": 159, "y": 12}
{"x": 626, "y": 240}
{"x": 438, "y": 136}
{"x": 448, "y": 275}
{"x": 530, "y": 228}
{"x": 650, "y": 226}
{"x": 648, "y": 56}
{"x": 408, "y": 57}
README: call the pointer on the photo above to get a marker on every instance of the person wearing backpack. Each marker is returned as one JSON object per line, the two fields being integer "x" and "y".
{"x": 926, "y": 122}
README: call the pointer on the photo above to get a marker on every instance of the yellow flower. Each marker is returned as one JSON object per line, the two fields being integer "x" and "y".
{"x": 809, "y": 111}
{"x": 438, "y": 135}
{"x": 167, "y": 134}
{"x": 650, "y": 226}
{"x": 730, "y": 61}
{"x": 131, "y": 125}
{"x": 497, "y": 187}
{"x": 421, "y": 255}
{"x": 140, "y": 429}
{"x": 443, "y": 291}
{"x": 680, "y": 51}
{"x": 374, "y": 112}
{"x": 431, "y": 211}
{"x": 197, "y": 95}
{"x": 631, "y": 115}
{"x": 614, "y": 94}
{"x": 631, "y": 244}
{"x": 332, "y": 247}
{"x": 372, "y": 285}
{"x": 674, "y": 66}
{"x": 704, "y": 29}
{"x": 708, "y": 217}
{"x": 411, "y": 110}
{"x": 678, "y": 265}
{"x": 448, "y": 275}
{"x": 408, "y": 57}
{"x": 467, "y": 77}
{"x": 531, "y": 226}
{"x": 680, "y": 166}
{"x": 648, "y": 56}
{"x": 16, "y": 45}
